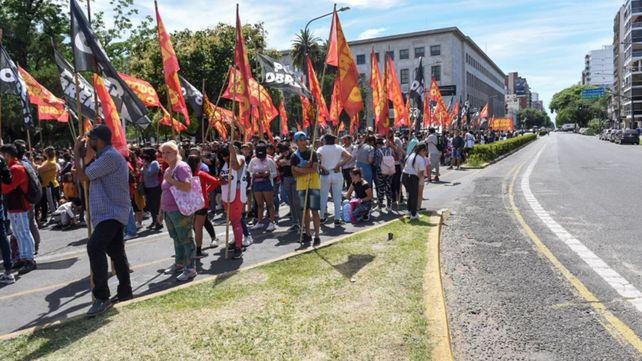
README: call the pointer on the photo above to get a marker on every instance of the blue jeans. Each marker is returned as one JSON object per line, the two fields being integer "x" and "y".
{"x": 5, "y": 247}
{"x": 366, "y": 171}
{"x": 131, "y": 229}
{"x": 20, "y": 227}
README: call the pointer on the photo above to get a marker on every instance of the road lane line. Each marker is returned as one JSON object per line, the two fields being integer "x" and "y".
{"x": 613, "y": 325}
{"x": 623, "y": 287}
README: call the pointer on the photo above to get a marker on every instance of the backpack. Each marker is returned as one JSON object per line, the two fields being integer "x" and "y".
{"x": 34, "y": 193}
{"x": 440, "y": 143}
{"x": 388, "y": 164}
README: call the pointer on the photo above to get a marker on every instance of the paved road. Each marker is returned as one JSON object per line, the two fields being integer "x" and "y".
{"x": 506, "y": 299}
{"x": 59, "y": 288}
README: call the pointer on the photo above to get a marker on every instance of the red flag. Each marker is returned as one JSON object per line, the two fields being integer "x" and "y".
{"x": 218, "y": 117}
{"x": 441, "y": 112}
{"x": 454, "y": 112}
{"x": 484, "y": 112}
{"x": 335, "y": 106}
{"x": 49, "y": 106}
{"x": 315, "y": 89}
{"x": 308, "y": 112}
{"x": 143, "y": 90}
{"x": 284, "y": 118}
{"x": 340, "y": 56}
{"x": 169, "y": 121}
{"x": 354, "y": 124}
{"x": 111, "y": 117}
{"x": 342, "y": 127}
{"x": 88, "y": 126}
{"x": 427, "y": 115}
{"x": 379, "y": 97}
{"x": 171, "y": 68}
{"x": 395, "y": 95}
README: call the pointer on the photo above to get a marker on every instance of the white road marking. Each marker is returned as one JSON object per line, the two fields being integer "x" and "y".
{"x": 623, "y": 287}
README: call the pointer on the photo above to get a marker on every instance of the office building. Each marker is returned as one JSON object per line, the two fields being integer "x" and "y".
{"x": 598, "y": 67}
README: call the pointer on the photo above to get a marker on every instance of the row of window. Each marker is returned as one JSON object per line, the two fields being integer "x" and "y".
{"x": 480, "y": 93}
{"x": 404, "y": 75}
{"x": 482, "y": 69}
{"x": 435, "y": 50}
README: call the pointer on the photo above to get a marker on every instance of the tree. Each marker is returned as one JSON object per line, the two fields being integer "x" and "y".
{"x": 531, "y": 118}
{"x": 572, "y": 108}
{"x": 305, "y": 43}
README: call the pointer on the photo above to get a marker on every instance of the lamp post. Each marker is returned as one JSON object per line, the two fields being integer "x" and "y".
{"x": 305, "y": 29}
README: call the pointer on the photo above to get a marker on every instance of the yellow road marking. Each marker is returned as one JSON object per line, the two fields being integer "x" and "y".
{"x": 618, "y": 329}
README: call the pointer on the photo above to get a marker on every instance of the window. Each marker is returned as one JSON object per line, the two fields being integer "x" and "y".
{"x": 435, "y": 50}
{"x": 436, "y": 72}
{"x": 361, "y": 59}
{"x": 390, "y": 54}
{"x": 404, "y": 76}
{"x": 377, "y": 56}
{"x": 419, "y": 52}
{"x": 404, "y": 54}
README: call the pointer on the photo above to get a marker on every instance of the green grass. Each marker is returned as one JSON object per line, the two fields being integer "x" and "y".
{"x": 360, "y": 299}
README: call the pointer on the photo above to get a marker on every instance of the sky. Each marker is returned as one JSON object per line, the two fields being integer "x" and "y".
{"x": 545, "y": 41}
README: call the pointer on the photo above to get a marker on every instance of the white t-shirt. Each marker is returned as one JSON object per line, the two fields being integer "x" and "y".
{"x": 239, "y": 180}
{"x": 330, "y": 155}
{"x": 432, "y": 144}
{"x": 470, "y": 140}
{"x": 418, "y": 166}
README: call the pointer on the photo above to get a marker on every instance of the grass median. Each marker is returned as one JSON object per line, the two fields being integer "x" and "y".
{"x": 359, "y": 299}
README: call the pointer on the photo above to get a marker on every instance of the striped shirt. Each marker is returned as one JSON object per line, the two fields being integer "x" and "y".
{"x": 108, "y": 187}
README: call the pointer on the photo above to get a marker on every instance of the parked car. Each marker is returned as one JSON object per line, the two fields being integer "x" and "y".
{"x": 614, "y": 135}
{"x": 604, "y": 135}
{"x": 628, "y": 136}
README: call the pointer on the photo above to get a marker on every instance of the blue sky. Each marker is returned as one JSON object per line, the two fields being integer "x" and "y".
{"x": 545, "y": 41}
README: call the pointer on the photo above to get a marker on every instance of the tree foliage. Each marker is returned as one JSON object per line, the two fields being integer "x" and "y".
{"x": 531, "y": 118}
{"x": 572, "y": 108}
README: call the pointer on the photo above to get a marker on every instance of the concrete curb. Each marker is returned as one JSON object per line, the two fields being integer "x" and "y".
{"x": 502, "y": 157}
{"x": 199, "y": 281}
{"x": 436, "y": 311}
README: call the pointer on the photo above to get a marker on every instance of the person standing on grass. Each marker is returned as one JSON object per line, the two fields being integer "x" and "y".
{"x": 305, "y": 167}
{"x": 234, "y": 193}
{"x": 208, "y": 184}
{"x": 179, "y": 226}
{"x": 413, "y": 176}
{"x": 263, "y": 171}
{"x": 107, "y": 172}
{"x": 332, "y": 158}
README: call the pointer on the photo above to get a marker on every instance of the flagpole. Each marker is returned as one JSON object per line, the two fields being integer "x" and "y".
{"x": 202, "y": 112}
{"x": 220, "y": 94}
{"x": 229, "y": 169}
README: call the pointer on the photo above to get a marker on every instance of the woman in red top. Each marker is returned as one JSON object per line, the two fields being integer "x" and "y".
{"x": 208, "y": 184}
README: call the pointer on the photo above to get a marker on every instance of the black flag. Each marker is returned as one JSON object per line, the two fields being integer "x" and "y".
{"x": 89, "y": 55}
{"x": 192, "y": 96}
{"x": 68, "y": 83}
{"x": 417, "y": 91}
{"x": 12, "y": 83}
{"x": 276, "y": 75}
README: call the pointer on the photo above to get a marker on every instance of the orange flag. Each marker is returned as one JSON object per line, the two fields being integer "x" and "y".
{"x": 340, "y": 56}
{"x": 484, "y": 112}
{"x": 111, "y": 117}
{"x": 342, "y": 127}
{"x": 218, "y": 117}
{"x": 262, "y": 106}
{"x": 379, "y": 97}
{"x": 354, "y": 124}
{"x": 441, "y": 111}
{"x": 49, "y": 106}
{"x": 143, "y": 90}
{"x": 454, "y": 112}
{"x": 243, "y": 82}
{"x": 335, "y": 106}
{"x": 88, "y": 126}
{"x": 169, "y": 121}
{"x": 284, "y": 118}
{"x": 315, "y": 89}
{"x": 171, "y": 68}
{"x": 308, "y": 112}
{"x": 427, "y": 116}
{"x": 395, "y": 95}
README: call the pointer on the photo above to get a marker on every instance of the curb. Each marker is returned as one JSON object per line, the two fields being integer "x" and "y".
{"x": 502, "y": 157}
{"x": 436, "y": 311}
{"x": 33, "y": 329}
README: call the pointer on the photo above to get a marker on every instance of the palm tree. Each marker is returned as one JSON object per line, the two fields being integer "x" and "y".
{"x": 305, "y": 43}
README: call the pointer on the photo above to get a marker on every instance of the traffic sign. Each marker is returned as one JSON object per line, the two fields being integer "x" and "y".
{"x": 593, "y": 93}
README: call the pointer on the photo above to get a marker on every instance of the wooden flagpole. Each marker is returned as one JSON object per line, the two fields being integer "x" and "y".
{"x": 229, "y": 169}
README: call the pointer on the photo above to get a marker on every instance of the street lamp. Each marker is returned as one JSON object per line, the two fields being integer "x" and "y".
{"x": 305, "y": 30}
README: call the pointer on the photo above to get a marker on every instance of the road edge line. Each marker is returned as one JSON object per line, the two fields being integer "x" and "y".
{"x": 436, "y": 312}
{"x": 31, "y": 330}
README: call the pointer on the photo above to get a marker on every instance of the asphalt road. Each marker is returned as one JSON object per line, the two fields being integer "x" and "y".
{"x": 506, "y": 299}
{"x": 59, "y": 288}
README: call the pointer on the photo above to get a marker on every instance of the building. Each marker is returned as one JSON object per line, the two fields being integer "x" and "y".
{"x": 460, "y": 67}
{"x": 536, "y": 103}
{"x": 598, "y": 67}
{"x": 626, "y": 108}
{"x": 518, "y": 86}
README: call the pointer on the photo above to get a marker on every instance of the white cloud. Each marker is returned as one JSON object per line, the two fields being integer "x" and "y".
{"x": 370, "y": 33}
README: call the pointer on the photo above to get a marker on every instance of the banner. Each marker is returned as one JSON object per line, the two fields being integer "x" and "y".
{"x": 111, "y": 118}
{"x": 454, "y": 114}
{"x": 12, "y": 83}
{"x": 68, "y": 83}
{"x": 89, "y": 55}
{"x": 193, "y": 96}
{"x": 502, "y": 124}
{"x": 49, "y": 106}
{"x": 275, "y": 75}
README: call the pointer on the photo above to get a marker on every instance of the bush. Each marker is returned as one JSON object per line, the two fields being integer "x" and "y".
{"x": 492, "y": 151}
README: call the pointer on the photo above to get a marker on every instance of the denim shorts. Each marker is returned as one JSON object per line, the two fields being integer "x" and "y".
{"x": 314, "y": 199}
{"x": 265, "y": 186}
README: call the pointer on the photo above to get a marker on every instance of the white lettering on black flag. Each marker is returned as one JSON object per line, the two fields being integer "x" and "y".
{"x": 12, "y": 83}
{"x": 193, "y": 96}
{"x": 276, "y": 75}
{"x": 68, "y": 83}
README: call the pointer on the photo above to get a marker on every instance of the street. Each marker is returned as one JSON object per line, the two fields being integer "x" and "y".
{"x": 510, "y": 298}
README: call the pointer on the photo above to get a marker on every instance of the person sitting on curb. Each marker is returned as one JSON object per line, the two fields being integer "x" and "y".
{"x": 363, "y": 193}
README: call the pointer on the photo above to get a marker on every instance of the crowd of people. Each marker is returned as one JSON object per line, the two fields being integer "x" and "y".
{"x": 247, "y": 182}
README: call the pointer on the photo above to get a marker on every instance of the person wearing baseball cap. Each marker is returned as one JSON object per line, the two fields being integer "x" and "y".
{"x": 305, "y": 168}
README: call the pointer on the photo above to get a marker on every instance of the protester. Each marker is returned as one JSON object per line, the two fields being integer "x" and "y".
{"x": 349, "y": 165}
{"x": 305, "y": 167}
{"x": 48, "y": 172}
{"x": 289, "y": 185}
{"x": 179, "y": 226}
{"x": 234, "y": 193}
{"x": 7, "y": 277}
{"x": 208, "y": 183}
{"x": 458, "y": 149}
{"x": 435, "y": 147}
{"x": 332, "y": 158}
{"x": 152, "y": 186}
{"x": 384, "y": 169}
{"x": 364, "y": 156}
{"x": 363, "y": 193}
{"x": 413, "y": 176}
{"x": 21, "y": 147}
{"x": 107, "y": 173}
{"x": 263, "y": 171}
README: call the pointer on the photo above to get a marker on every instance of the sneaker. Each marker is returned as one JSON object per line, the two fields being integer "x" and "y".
{"x": 257, "y": 226}
{"x": 324, "y": 219}
{"x": 339, "y": 222}
{"x": 270, "y": 227}
{"x": 306, "y": 241}
{"x": 117, "y": 298}
{"x": 173, "y": 269}
{"x": 248, "y": 240}
{"x": 436, "y": 179}
{"x": 28, "y": 267}
{"x": 99, "y": 307}
{"x": 294, "y": 228}
{"x": 187, "y": 275}
{"x": 214, "y": 243}
{"x": 317, "y": 242}
{"x": 414, "y": 218}
{"x": 129, "y": 237}
{"x": 201, "y": 254}
{"x": 158, "y": 227}
{"x": 151, "y": 226}
{"x": 238, "y": 253}
{"x": 18, "y": 264}
{"x": 139, "y": 225}
{"x": 7, "y": 279}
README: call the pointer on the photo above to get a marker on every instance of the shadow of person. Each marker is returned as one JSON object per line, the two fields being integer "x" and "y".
{"x": 349, "y": 268}
{"x": 58, "y": 265}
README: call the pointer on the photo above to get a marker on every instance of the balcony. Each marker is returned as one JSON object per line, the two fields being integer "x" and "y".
{"x": 636, "y": 25}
